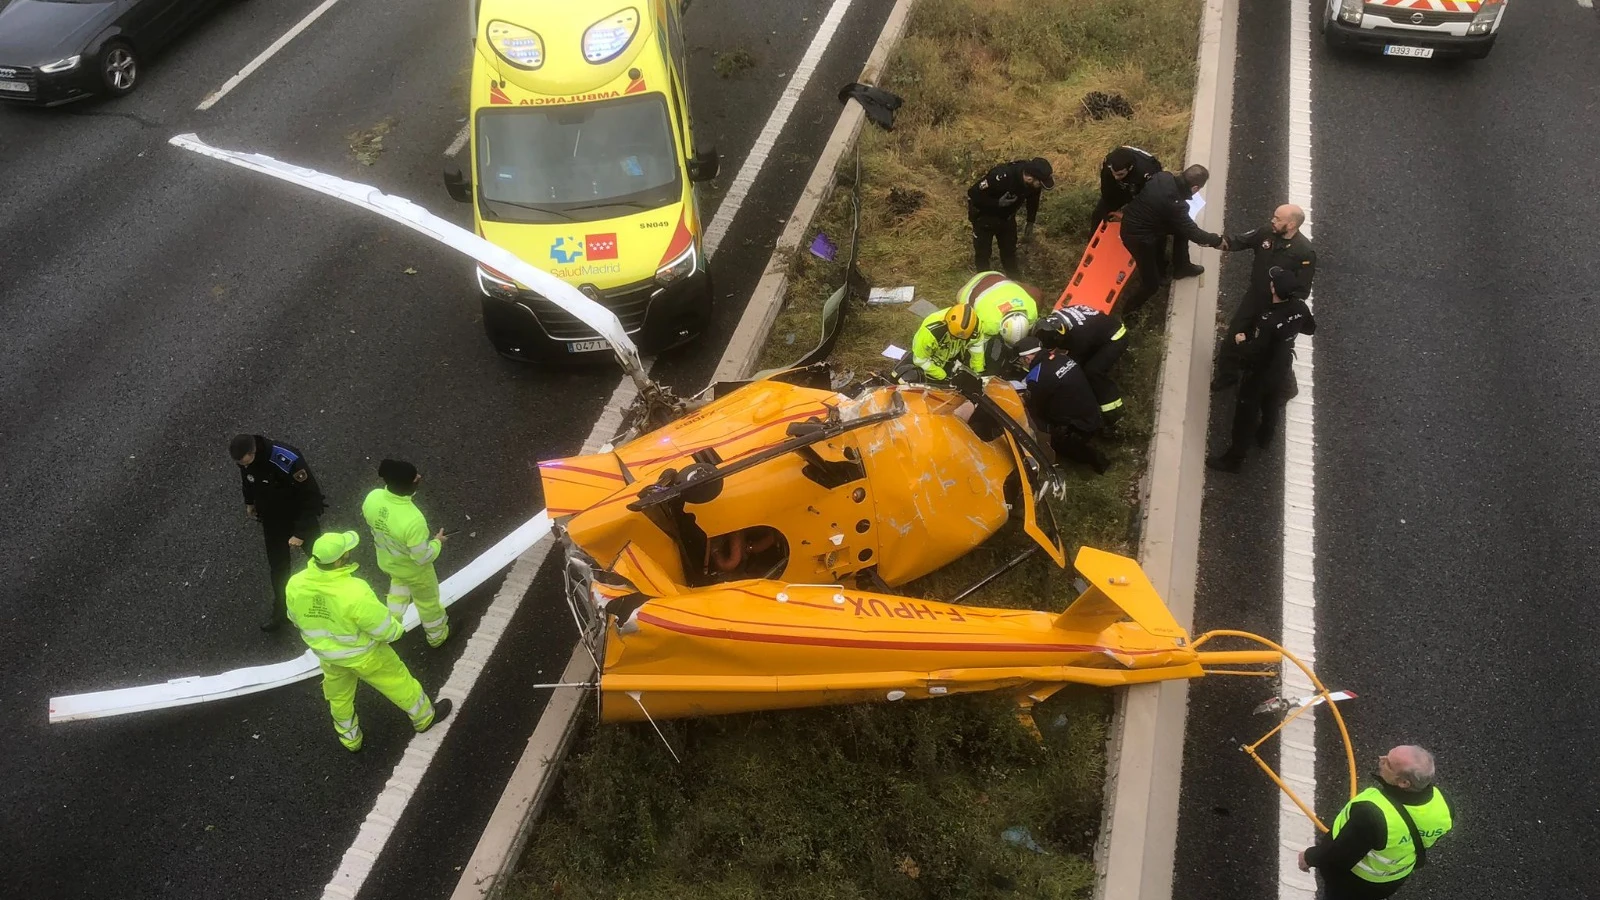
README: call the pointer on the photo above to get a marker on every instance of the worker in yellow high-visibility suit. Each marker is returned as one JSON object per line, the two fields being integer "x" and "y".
{"x": 344, "y": 624}
{"x": 405, "y": 552}
{"x": 1006, "y": 311}
{"x": 938, "y": 343}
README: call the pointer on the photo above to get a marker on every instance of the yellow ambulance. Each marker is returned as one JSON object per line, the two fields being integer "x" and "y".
{"x": 583, "y": 163}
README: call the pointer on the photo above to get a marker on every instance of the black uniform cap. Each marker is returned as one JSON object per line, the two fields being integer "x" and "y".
{"x": 1039, "y": 167}
{"x": 1283, "y": 282}
{"x": 397, "y": 474}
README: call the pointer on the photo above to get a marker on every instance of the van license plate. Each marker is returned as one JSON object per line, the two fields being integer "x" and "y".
{"x": 586, "y": 346}
{"x": 1398, "y": 50}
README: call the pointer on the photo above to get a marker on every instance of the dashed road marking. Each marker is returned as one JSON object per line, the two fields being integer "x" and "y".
{"x": 265, "y": 55}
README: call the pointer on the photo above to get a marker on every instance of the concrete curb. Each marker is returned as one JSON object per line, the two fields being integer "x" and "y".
{"x": 500, "y": 847}
{"x": 504, "y": 837}
{"x": 1135, "y": 854}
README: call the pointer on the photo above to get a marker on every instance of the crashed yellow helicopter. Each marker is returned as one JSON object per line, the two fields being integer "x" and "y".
{"x": 738, "y": 551}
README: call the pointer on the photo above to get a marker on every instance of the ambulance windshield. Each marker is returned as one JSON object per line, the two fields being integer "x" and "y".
{"x": 578, "y": 162}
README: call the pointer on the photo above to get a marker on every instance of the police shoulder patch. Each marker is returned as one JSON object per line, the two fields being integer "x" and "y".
{"x": 283, "y": 458}
{"x": 301, "y": 475}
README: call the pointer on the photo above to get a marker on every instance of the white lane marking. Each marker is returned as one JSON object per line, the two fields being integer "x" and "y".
{"x": 265, "y": 55}
{"x": 1586, "y": 4}
{"x": 379, "y": 824}
{"x": 1298, "y": 760}
{"x": 460, "y": 141}
{"x": 774, "y": 127}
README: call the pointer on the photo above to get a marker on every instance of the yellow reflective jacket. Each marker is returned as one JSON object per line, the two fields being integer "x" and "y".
{"x": 400, "y": 534}
{"x": 339, "y": 616}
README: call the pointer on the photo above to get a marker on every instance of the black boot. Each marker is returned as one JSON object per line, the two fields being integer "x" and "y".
{"x": 1227, "y": 462}
{"x": 1189, "y": 271}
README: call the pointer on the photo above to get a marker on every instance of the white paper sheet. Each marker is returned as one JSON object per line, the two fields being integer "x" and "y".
{"x": 894, "y": 353}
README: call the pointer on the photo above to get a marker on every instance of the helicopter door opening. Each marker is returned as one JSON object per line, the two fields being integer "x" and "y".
{"x": 755, "y": 552}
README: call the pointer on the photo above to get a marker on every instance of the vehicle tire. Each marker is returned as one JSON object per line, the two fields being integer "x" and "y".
{"x": 119, "y": 68}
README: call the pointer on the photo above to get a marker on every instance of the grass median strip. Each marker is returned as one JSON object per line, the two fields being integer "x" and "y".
{"x": 946, "y": 798}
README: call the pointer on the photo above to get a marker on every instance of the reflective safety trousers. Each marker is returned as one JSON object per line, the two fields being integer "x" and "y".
{"x": 1399, "y": 856}
{"x": 405, "y": 552}
{"x": 381, "y": 668}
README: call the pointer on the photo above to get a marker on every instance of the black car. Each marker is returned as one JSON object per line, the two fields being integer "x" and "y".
{"x": 56, "y": 51}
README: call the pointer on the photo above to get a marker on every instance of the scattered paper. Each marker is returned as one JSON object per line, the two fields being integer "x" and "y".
{"x": 922, "y": 309}
{"x": 893, "y": 352}
{"x": 885, "y": 296}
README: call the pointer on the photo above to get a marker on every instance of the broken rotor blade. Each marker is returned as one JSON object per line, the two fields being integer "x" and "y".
{"x": 1283, "y": 704}
{"x": 602, "y": 320}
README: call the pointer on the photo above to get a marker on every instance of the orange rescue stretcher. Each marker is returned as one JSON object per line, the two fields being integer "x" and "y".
{"x": 1102, "y": 273}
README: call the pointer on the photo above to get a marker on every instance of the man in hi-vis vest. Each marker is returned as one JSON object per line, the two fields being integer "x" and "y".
{"x": 405, "y": 552}
{"x": 1374, "y": 844}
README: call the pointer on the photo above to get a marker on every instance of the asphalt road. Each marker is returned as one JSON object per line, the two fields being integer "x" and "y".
{"x": 155, "y": 302}
{"x": 1455, "y": 383}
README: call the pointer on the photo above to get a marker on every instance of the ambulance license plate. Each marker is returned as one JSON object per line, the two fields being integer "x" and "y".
{"x": 586, "y": 346}
{"x": 1399, "y": 50}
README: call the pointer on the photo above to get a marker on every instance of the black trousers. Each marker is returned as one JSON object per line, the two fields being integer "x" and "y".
{"x": 1250, "y": 307}
{"x": 1072, "y": 443}
{"x": 1151, "y": 271}
{"x": 988, "y": 231}
{"x": 279, "y": 562}
{"x": 1256, "y": 414}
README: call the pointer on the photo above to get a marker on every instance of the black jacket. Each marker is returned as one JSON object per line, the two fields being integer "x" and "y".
{"x": 996, "y": 195}
{"x": 1293, "y": 254}
{"x": 1267, "y": 352}
{"x": 1115, "y": 194}
{"x": 1060, "y": 396}
{"x": 1364, "y": 831}
{"x": 1162, "y": 209}
{"x": 1096, "y": 339}
{"x": 279, "y": 484}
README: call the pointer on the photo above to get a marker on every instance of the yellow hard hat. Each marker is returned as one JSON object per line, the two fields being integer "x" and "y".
{"x": 961, "y": 320}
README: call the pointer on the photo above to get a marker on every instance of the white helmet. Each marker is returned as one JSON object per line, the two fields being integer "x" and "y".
{"x": 1014, "y": 327}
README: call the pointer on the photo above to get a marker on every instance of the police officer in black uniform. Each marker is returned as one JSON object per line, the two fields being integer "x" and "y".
{"x": 1096, "y": 340}
{"x": 1278, "y": 244}
{"x": 1123, "y": 175}
{"x": 1159, "y": 211}
{"x": 992, "y": 204}
{"x": 1063, "y": 404}
{"x": 1266, "y": 355}
{"x": 281, "y": 493}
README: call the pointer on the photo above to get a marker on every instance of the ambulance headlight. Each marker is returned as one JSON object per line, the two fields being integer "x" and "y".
{"x": 1488, "y": 15}
{"x": 496, "y": 284}
{"x": 606, "y": 39}
{"x": 1350, "y": 11}
{"x": 679, "y": 268}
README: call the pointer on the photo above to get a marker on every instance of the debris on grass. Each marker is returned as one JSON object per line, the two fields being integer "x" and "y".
{"x": 1099, "y": 105}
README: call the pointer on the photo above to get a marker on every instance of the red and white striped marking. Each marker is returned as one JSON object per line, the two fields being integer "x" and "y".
{"x": 1465, "y": 6}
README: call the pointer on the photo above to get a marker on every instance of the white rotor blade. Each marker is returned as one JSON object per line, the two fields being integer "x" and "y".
{"x": 254, "y": 679}
{"x": 569, "y": 298}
